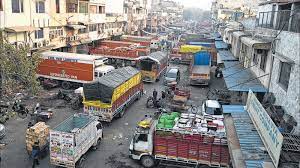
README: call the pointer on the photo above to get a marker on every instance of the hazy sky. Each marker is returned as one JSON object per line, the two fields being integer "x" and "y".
{"x": 203, "y": 4}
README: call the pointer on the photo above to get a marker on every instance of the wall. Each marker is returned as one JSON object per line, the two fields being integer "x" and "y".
{"x": 114, "y": 6}
{"x": 288, "y": 46}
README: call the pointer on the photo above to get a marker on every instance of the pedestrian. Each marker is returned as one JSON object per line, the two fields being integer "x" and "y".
{"x": 35, "y": 154}
{"x": 154, "y": 94}
{"x": 163, "y": 94}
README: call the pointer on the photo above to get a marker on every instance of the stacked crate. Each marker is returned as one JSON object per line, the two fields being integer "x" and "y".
{"x": 37, "y": 133}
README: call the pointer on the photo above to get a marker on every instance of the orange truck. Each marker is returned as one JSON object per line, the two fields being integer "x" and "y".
{"x": 148, "y": 41}
{"x": 71, "y": 69}
{"x": 120, "y": 53}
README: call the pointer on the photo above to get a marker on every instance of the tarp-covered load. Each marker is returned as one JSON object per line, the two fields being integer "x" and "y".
{"x": 191, "y": 49}
{"x": 158, "y": 57}
{"x": 104, "y": 90}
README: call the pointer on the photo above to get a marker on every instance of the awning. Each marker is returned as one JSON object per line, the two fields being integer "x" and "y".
{"x": 239, "y": 79}
{"x": 226, "y": 55}
{"x": 257, "y": 44}
{"x": 17, "y": 29}
{"x": 245, "y": 145}
{"x": 221, "y": 45}
{"x": 86, "y": 23}
{"x": 283, "y": 58}
{"x": 73, "y": 43}
{"x": 76, "y": 26}
{"x": 86, "y": 41}
{"x": 239, "y": 34}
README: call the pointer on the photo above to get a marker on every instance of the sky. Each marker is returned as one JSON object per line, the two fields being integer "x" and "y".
{"x": 203, "y": 4}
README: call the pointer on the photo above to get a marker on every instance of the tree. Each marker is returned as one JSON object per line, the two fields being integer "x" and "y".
{"x": 18, "y": 69}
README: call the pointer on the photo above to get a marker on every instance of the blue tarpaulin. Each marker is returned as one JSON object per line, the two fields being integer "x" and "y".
{"x": 226, "y": 55}
{"x": 237, "y": 78}
{"x": 202, "y": 58}
{"x": 253, "y": 150}
{"x": 221, "y": 45}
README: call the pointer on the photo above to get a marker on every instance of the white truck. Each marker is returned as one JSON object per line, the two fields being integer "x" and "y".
{"x": 71, "y": 139}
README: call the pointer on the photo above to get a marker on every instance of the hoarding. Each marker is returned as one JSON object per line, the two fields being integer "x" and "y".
{"x": 268, "y": 131}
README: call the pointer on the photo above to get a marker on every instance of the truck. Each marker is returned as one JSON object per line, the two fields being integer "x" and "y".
{"x": 180, "y": 58}
{"x": 119, "y": 53}
{"x": 180, "y": 139}
{"x": 153, "y": 66}
{"x": 71, "y": 69}
{"x": 148, "y": 41}
{"x": 113, "y": 94}
{"x": 72, "y": 138}
{"x": 200, "y": 69}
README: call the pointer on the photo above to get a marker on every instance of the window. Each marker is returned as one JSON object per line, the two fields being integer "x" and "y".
{"x": 255, "y": 59}
{"x": 93, "y": 27}
{"x": 71, "y": 6}
{"x": 57, "y": 6}
{"x": 81, "y": 31}
{"x": 83, "y": 7}
{"x": 40, "y": 6}
{"x": 284, "y": 74}
{"x": 141, "y": 137}
{"x": 1, "y": 5}
{"x": 56, "y": 32}
{"x": 101, "y": 9}
{"x": 93, "y": 9}
{"x": 39, "y": 33}
{"x": 17, "y": 6}
{"x": 263, "y": 62}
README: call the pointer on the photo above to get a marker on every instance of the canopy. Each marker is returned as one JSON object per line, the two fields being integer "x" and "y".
{"x": 237, "y": 78}
{"x": 76, "y": 26}
{"x": 221, "y": 45}
{"x": 18, "y": 29}
{"x": 226, "y": 55}
{"x": 255, "y": 43}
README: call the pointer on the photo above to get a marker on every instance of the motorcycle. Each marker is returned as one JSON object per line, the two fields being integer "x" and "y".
{"x": 20, "y": 109}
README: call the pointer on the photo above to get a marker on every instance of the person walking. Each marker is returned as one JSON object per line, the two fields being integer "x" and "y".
{"x": 35, "y": 154}
{"x": 154, "y": 94}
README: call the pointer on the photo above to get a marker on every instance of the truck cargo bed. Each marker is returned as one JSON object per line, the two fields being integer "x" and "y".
{"x": 198, "y": 69}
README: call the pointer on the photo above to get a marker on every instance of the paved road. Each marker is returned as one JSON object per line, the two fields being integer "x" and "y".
{"x": 113, "y": 151}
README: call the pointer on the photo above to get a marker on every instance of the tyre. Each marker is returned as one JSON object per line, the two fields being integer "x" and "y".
{"x": 121, "y": 114}
{"x": 148, "y": 161}
{"x": 66, "y": 85}
{"x": 176, "y": 61}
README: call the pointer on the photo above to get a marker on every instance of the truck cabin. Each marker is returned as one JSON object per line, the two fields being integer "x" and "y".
{"x": 212, "y": 107}
{"x": 102, "y": 70}
{"x": 143, "y": 136}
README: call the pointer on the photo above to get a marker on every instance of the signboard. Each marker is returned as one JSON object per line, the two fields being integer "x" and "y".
{"x": 266, "y": 128}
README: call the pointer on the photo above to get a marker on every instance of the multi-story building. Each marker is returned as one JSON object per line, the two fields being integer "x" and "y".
{"x": 64, "y": 25}
{"x": 271, "y": 52}
{"x": 135, "y": 13}
{"x": 162, "y": 14}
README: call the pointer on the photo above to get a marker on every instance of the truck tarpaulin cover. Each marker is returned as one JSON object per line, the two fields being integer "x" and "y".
{"x": 158, "y": 57}
{"x": 104, "y": 88}
{"x": 202, "y": 58}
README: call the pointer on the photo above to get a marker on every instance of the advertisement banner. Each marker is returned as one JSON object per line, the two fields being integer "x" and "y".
{"x": 268, "y": 131}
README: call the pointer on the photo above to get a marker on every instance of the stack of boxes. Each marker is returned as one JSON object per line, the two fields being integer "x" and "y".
{"x": 37, "y": 133}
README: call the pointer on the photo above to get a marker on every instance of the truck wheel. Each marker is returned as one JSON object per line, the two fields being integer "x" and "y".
{"x": 176, "y": 61}
{"x": 147, "y": 161}
{"x": 121, "y": 114}
{"x": 66, "y": 85}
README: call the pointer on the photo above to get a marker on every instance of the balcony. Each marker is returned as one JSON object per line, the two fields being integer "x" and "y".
{"x": 285, "y": 20}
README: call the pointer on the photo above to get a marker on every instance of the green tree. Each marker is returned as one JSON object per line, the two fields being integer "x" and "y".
{"x": 18, "y": 69}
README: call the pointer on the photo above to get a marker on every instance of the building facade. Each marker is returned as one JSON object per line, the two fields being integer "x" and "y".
{"x": 271, "y": 52}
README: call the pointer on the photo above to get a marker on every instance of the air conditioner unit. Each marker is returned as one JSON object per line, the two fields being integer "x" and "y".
{"x": 52, "y": 36}
{"x": 40, "y": 44}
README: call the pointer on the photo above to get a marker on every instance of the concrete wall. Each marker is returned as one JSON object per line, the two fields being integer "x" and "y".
{"x": 288, "y": 46}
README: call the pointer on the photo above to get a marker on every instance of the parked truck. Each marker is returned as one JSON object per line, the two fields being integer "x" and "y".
{"x": 153, "y": 66}
{"x": 71, "y": 139}
{"x": 113, "y": 94}
{"x": 181, "y": 140}
{"x": 120, "y": 53}
{"x": 70, "y": 69}
{"x": 200, "y": 68}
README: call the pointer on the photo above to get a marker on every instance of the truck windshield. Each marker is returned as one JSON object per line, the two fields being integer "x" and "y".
{"x": 171, "y": 75}
{"x": 213, "y": 111}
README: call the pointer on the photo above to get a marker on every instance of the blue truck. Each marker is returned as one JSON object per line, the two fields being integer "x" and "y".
{"x": 200, "y": 68}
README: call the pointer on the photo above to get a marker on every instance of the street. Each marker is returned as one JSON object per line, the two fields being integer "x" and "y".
{"x": 113, "y": 150}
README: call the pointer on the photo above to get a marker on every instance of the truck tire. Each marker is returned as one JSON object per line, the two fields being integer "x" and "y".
{"x": 176, "y": 61}
{"x": 121, "y": 114}
{"x": 66, "y": 85}
{"x": 148, "y": 161}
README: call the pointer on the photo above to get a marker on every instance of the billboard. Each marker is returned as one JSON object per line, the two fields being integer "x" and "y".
{"x": 268, "y": 131}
